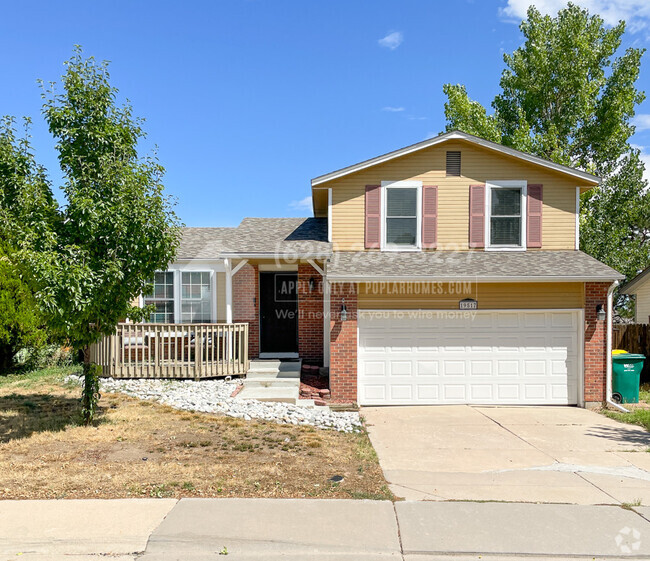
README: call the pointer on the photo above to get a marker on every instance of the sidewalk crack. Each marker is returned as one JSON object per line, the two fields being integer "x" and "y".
{"x": 399, "y": 533}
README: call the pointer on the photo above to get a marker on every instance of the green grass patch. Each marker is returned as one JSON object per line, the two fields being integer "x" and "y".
{"x": 35, "y": 378}
{"x": 640, "y": 417}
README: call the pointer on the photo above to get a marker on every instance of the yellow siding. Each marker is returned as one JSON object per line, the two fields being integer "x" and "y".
{"x": 221, "y": 297}
{"x": 490, "y": 296}
{"x": 643, "y": 303}
{"x": 478, "y": 166}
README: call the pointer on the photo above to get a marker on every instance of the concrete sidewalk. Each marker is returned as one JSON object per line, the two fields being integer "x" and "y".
{"x": 324, "y": 530}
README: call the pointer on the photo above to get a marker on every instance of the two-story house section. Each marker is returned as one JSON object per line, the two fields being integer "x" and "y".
{"x": 457, "y": 262}
{"x": 444, "y": 272}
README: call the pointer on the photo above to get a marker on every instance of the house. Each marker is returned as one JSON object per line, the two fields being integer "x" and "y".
{"x": 639, "y": 287}
{"x": 444, "y": 272}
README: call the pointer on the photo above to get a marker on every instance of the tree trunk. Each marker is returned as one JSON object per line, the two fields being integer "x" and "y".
{"x": 86, "y": 396}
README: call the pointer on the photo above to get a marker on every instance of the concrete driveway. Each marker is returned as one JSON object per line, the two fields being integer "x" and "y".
{"x": 527, "y": 454}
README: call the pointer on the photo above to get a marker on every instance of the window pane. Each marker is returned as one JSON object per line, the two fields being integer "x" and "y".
{"x": 164, "y": 313}
{"x": 162, "y": 297}
{"x": 196, "y": 297}
{"x": 401, "y": 202}
{"x": 506, "y": 202}
{"x": 505, "y": 231}
{"x": 401, "y": 231}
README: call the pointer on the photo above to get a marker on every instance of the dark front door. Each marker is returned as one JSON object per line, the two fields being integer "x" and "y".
{"x": 278, "y": 312}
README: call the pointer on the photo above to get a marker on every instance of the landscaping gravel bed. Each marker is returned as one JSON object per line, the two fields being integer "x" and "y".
{"x": 214, "y": 396}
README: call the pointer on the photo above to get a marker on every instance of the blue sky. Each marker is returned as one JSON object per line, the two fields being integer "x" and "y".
{"x": 248, "y": 100}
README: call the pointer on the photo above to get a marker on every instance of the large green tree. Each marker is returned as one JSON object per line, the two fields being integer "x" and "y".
{"x": 116, "y": 228}
{"x": 568, "y": 95}
{"x": 27, "y": 211}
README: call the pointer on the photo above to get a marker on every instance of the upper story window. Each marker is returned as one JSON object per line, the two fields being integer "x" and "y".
{"x": 506, "y": 220}
{"x": 162, "y": 297}
{"x": 402, "y": 215}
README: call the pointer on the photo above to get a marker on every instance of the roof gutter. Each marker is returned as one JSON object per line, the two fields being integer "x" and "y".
{"x": 273, "y": 255}
{"x": 475, "y": 278}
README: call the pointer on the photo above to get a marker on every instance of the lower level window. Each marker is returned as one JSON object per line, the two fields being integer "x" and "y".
{"x": 162, "y": 298}
{"x": 196, "y": 297}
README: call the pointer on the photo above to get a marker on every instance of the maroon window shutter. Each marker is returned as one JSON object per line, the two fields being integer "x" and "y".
{"x": 429, "y": 216}
{"x": 477, "y": 216}
{"x": 373, "y": 216}
{"x": 534, "y": 216}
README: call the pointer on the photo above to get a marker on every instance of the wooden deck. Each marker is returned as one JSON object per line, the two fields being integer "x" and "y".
{"x": 175, "y": 351}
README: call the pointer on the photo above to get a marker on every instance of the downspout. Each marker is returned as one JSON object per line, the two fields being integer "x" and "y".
{"x": 608, "y": 347}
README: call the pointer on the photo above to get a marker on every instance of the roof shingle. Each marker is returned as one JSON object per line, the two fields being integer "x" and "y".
{"x": 468, "y": 265}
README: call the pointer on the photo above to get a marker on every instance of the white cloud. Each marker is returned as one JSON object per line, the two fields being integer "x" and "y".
{"x": 393, "y": 109}
{"x": 392, "y": 40}
{"x": 302, "y": 204}
{"x": 641, "y": 122}
{"x": 635, "y": 12}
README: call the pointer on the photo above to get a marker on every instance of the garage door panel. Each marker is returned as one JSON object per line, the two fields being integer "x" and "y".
{"x": 401, "y": 392}
{"x": 454, "y": 392}
{"x": 427, "y": 392}
{"x": 481, "y": 392}
{"x": 375, "y": 368}
{"x": 401, "y": 368}
{"x": 480, "y": 368}
{"x": 427, "y": 368}
{"x": 453, "y": 367}
{"x": 498, "y": 357}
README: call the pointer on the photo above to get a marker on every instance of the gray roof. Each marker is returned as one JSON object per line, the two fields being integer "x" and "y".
{"x": 469, "y": 265}
{"x": 282, "y": 236}
{"x": 630, "y": 287}
{"x": 202, "y": 243}
{"x": 301, "y": 236}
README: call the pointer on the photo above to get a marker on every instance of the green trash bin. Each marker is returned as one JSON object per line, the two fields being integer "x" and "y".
{"x": 626, "y": 373}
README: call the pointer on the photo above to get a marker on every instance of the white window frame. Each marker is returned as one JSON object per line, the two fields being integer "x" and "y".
{"x": 506, "y": 184}
{"x": 213, "y": 295}
{"x": 142, "y": 297}
{"x": 385, "y": 185}
{"x": 213, "y": 267}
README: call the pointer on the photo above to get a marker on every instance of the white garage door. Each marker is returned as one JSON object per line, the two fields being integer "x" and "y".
{"x": 414, "y": 357}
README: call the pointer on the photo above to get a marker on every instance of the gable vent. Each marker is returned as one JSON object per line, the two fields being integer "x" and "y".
{"x": 453, "y": 164}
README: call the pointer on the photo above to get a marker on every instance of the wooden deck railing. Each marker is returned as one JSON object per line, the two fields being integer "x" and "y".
{"x": 165, "y": 350}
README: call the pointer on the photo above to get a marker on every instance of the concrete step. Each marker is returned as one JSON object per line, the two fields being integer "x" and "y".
{"x": 270, "y": 373}
{"x": 256, "y": 381}
{"x": 280, "y": 366}
{"x": 284, "y": 395}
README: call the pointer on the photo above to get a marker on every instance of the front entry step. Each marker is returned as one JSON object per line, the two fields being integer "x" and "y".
{"x": 272, "y": 380}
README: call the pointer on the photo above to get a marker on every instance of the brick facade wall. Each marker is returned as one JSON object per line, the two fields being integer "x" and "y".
{"x": 245, "y": 305}
{"x": 310, "y": 315}
{"x": 595, "y": 343}
{"x": 343, "y": 344}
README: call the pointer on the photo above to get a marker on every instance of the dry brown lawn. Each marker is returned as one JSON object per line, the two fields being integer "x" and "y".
{"x": 142, "y": 449}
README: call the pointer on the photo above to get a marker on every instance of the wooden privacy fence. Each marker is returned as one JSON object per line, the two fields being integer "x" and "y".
{"x": 634, "y": 338}
{"x": 167, "y": 350}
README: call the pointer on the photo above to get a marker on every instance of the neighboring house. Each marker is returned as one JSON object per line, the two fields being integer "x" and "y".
{"x": 381, "y": 285}
{"x": 639, "y": 287}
